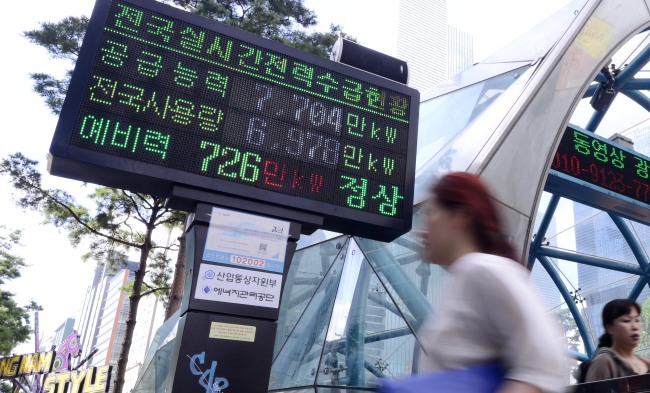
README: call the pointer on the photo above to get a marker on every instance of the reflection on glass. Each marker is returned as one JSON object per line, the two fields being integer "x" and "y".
{"x": 155, "y": 368}
{"x": 599, "y": 286}
{"x": 297, "y": 360}
{"x": 309, "y": 390}
{"x": 443, "y": 117}
{"x": 641, "y": 233}
{"x": 386, "y": 347}
{"x": 571, "y": 337}
{"x": 335, "y": 390}
{"x": 596, "y": 234}
{"x": 368, "y": 337}
{"x": 307, "y": 271}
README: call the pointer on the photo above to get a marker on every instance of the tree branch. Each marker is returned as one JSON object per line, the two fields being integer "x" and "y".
{"x": 83, "y": 223}
{"x": 151, "y": 290}
{"x": 142, "y": 219}
{"x": 168, "y": 248}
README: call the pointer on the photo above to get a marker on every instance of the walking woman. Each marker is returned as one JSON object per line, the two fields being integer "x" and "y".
{"x": 615, "y": 357}
{"x": 489, "y": 313}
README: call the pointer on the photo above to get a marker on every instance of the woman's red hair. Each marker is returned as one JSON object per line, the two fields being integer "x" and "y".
{"x": 462, "y": 189}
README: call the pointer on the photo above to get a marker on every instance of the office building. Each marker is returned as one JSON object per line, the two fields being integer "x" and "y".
{"x": 434, "y": 50}
{"x": 61, "y": 332}
{"x": 103, "y": 317}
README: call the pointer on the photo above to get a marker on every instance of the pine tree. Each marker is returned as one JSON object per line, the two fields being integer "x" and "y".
{"x": 14, "y": 319}
{"x": 121, "y": 221}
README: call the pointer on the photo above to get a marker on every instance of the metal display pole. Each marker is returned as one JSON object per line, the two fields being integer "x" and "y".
{"x": 236, "y": 266}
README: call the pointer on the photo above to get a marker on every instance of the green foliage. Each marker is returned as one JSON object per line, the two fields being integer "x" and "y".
{"x": 51, "y": 89}
{"x": 5, "y": 387}
{"x": 14, "y": 320}
{"x": 14, "y": 323}
{"x": 121, "y": 221}
{"x": 10, "y": 264}
{"x": 285, "y": 21}
{"x": 62, "y": 40}
{"x": 569, "y": 328}
{"x": 570, "y": 334}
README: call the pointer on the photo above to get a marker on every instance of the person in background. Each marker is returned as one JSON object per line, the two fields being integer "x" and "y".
{"x": 490, "y": 313}
{"x": 615, "y": 357}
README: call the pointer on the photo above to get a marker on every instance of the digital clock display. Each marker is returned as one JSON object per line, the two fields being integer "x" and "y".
{"x": 162, "y": 97}
{"x": 599, "y": 162}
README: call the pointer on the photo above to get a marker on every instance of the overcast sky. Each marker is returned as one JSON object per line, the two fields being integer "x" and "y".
{"x": 56, "y": 277}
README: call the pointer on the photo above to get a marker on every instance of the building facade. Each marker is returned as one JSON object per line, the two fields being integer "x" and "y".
{"x": 61, "y": 332}
{"x": 434, "y": 50}
{"x": 102, "y": 322}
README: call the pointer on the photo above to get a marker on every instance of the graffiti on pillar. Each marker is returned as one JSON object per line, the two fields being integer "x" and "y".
{"x": 207, "y": 379}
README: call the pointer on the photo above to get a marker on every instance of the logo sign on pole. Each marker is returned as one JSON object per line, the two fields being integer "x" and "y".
{"x": 161, "y": 97}
{"x": 240, "y": 286}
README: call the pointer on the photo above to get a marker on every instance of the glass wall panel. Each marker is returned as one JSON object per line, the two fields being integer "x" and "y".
{"x": 368, "y": 337}
{"x": 414, "y": 285}
{"x": 308, "y": 269}
{"x": 599, "y": 286}
{"x": 308, "y": 390}
{"x": 155, "y": 367}
{"x": 336, "y": 390}
{"x": 297, "y": 360}
{"x": 596, "y": 234}
{"x": 553, "y": 300}
{"x": 642, "y": 234}
{"x": 572, "y": 338}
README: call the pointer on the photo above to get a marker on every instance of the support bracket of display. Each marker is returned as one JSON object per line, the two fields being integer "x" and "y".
{"x": 186, "y": 199}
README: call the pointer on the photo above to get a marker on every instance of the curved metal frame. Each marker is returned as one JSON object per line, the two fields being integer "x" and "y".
{"x": 626, "y": 84}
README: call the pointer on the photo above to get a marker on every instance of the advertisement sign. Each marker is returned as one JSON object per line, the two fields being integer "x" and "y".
{"x": 241, "y": 239}
{"x": 89, "y": 380}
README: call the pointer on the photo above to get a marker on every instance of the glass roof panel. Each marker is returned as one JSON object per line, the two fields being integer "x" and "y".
{"x": 443, "y": 117}
{"x": 631, "y": 49}
{"x": 537, "y": 41}
{"x": 642, "y": 234}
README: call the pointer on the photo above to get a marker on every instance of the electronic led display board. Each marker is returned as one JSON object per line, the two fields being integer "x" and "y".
{"x": 161, "y": 97}
{"x": 583, "y": 158}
